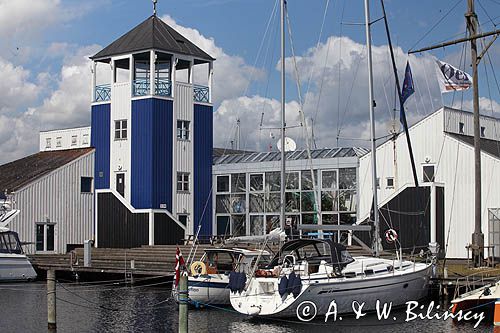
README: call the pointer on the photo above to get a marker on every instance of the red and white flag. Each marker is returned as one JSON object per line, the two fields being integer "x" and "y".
{"x": 179, "y": 265}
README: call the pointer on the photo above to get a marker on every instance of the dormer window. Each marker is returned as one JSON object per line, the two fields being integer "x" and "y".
{"x": 461, "y": 128}
{"x": 48, "y": 143}
{"x": 483, "y": 130}
{"x": 58, "y": 142}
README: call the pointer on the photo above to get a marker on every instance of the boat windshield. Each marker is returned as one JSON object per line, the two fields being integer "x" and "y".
{"x": 9, "y": 243}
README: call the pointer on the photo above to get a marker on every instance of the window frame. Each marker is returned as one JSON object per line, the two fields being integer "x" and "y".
{"x": 45, "y": 235}
{"x": 183, "y": 182}
{"x": 184, "y": 130}
{"x": 122, "y": 131}
{"x": 433, "y": 179}
{"x": 91, "y": 183}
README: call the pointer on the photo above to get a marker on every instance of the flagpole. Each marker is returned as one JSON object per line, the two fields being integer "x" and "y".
{"x": 401, "y": 101}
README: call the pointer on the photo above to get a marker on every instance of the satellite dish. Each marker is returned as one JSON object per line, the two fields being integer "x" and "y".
{"x": 290, "y": 145}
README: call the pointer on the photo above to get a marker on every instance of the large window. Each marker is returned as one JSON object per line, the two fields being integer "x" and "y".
{"x": 182, "y": 182}
{"x": 121, "y": 129}
{"x": 182, "y": 129}
{"x": 256, "y": 182}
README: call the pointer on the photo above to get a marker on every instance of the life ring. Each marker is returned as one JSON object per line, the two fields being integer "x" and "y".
{"x": 198, "y": 268}
{"x": 391, "y": 236}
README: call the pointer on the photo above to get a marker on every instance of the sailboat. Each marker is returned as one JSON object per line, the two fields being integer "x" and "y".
{"x": 309, "y": 276}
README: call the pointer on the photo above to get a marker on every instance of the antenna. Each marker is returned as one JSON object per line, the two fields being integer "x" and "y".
{"x": 154, "y": 7}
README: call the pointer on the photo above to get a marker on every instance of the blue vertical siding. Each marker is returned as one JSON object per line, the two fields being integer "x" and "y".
{"x": 151, "y": 156}
{"x": 100, "y": 140}
{"x": 203, "y": 146}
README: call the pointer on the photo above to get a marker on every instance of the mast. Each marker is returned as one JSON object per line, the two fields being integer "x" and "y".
{"x": 283, "y": 122}
{"x": 477, "y": 236}
{"x": 471, "y": 20}
{"x": 376, "y": 243}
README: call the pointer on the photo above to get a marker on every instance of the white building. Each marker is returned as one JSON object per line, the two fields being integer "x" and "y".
{"x": 246, "y": 190}
{"x": 443, "y": 209}
{"x": 54, "y": 192}
{"x": 62, "y": 139}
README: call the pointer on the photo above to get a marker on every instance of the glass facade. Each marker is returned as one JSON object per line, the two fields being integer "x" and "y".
{"x": 249, "y": 203}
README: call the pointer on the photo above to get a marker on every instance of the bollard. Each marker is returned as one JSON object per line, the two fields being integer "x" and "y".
{"x": 183, "y": 297}
{"x": 51, "y": 299}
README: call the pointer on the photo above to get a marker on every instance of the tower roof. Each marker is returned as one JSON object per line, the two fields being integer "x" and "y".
{"x": 153, "y": 33}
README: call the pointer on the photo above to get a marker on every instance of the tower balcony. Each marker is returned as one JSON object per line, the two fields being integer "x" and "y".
{"x": 150, "y": 74}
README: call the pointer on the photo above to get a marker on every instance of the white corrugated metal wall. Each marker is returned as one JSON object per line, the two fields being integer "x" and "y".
{"x": 183, "y": 157}
{"x": 57, "y": 196}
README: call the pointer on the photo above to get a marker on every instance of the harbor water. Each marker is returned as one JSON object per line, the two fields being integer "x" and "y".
{"x": 106, "y": 307}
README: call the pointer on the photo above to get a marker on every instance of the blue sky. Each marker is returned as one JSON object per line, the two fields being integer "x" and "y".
{"x": 44, "y": 48}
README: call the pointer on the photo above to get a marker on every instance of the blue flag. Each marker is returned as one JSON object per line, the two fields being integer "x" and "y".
{"x": 408, "y": 87}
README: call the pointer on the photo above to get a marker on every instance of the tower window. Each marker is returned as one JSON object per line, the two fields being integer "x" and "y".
{"x": 182, "y": 129}
{"x": 483, "y": 130}
{"x": 461, "y": 127}
{"x": 121, "y": 129}
{"x": 182, "y": 181}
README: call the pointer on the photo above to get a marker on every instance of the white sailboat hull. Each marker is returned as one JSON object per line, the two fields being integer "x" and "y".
{"x": 15, "y": 267}
{"x": 397, "y": 288}
{"x": 209, "y": 289}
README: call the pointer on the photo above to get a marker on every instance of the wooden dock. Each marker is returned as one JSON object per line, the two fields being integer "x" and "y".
{"x": 156, "y": 260}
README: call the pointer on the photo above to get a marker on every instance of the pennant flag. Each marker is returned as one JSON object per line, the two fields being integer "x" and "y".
{"x": 408, "y": 87}
{"x": 179, "y": 265}
{"x": 451, "y": 78}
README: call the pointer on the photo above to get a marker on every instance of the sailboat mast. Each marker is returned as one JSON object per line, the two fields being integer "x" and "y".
{"x": 372, "y": 129}
{"x": 283, "y": 122}
{"x": 477, "y": 236}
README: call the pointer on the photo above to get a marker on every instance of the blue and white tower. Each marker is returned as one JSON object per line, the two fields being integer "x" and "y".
{"x": 152, "y": 130}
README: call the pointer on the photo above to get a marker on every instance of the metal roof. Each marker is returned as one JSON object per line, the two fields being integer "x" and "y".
{"x": 290, "y": 156}
{"x": 24, "y": 171}
{"x": 491, "y": 147}
{"x": 153, "y": 33}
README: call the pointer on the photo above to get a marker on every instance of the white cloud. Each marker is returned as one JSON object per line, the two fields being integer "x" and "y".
{"x": 66, "y": 106}
{"x": 231, "y": 74}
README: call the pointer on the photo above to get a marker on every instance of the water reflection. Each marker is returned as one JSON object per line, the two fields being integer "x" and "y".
{"x": 89, "y": 308}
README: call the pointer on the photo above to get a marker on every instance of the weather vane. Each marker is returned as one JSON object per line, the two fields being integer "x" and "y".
{"x": 154, "y": 6}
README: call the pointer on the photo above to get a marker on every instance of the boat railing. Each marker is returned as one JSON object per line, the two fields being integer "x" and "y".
{"x": 475, "y": 280}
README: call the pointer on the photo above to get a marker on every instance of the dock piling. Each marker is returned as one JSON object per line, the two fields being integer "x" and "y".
{"x": 51, "y": 299}
{"x": 183, "y": 298}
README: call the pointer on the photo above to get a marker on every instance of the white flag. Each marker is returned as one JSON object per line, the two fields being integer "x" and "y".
{"x": 451, "y": 78}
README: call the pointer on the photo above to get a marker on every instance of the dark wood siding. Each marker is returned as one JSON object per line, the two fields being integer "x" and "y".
{"x": 440, "y": 231}
{"x": 167, "y": 232}
{"x": 409, "y": 214}
{"x": 117, "y": 227}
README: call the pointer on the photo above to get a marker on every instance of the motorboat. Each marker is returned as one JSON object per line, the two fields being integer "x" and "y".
{"x": 320, "y": 272}
{"x": 208, "y": 279}
{"x": 14, "y": 265}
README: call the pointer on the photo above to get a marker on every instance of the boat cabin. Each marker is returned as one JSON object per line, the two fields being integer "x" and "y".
{"x": 223, "y": 261}
{"x": 314, "y": 252}
{"x": 9, "y": 242}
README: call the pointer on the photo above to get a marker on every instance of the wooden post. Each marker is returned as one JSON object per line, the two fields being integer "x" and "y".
{"x": 51, "y": 299}
{"x": 183, "y": 303}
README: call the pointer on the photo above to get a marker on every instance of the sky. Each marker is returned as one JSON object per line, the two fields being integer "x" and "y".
{"x": 45, "y": 69}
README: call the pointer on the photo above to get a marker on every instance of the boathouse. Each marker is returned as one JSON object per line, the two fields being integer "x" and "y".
{"x": 441, "y": 210}
{"x": 152, "y": 131}
{"x": 53, "y": 189}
